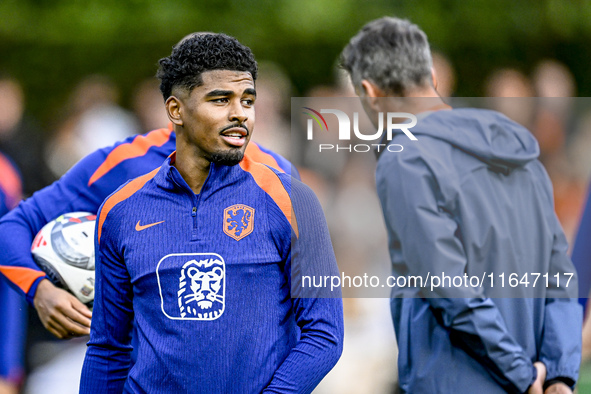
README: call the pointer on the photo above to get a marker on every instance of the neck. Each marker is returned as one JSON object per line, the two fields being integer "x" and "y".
{"x": 428, "y": 91}
{"x": 192, "y": 166}
{"x": 421, "y": 100}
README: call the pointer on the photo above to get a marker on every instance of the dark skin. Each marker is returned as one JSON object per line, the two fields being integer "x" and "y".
{"x": 216, "y": 118}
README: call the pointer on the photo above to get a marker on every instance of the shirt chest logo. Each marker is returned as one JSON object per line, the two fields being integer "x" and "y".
{"x": 192, "y": 286}
{"x": 238, "y": 221}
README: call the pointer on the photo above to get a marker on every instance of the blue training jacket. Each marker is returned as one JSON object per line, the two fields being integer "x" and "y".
{"x": 470, "y": 197}
{"x": 83, "y": 188}
{"x": 205, "y": 279}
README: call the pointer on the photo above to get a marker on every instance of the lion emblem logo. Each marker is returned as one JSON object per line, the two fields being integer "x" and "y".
{"x": 201, "y": 289}
{"x": 238, "y": 221}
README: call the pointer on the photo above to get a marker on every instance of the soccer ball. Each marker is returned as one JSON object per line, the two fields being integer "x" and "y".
{"x": 64, "y": 249}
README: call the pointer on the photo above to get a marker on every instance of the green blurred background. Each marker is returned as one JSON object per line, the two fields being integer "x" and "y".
{"x": 49, "y": 45}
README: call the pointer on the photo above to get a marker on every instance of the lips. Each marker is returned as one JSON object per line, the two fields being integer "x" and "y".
{"x": 235, "y": 136}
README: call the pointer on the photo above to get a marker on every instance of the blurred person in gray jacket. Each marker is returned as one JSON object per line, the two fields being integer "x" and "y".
{"x": 467, "y": 199}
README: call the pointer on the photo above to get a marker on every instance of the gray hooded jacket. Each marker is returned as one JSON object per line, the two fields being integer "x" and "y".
{"x": 470, "y": 197}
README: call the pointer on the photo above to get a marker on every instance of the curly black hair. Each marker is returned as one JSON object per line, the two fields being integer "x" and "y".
{"x": 200, "y": 52}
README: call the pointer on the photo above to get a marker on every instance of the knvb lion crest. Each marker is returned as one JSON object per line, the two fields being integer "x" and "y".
{"x": 238, "y": 221}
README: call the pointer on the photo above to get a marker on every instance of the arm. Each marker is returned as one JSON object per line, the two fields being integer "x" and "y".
{"x": 83, "y": 188}
{"x": 24, "y": 277}
{"x": 61, "y": 313}
{"x": 108, "y": 356}
{"x": 430, "y": 242}
{"x": 19, "y": 227}
{"x": 561, "y": 345}
{"x": 320, "y": 319}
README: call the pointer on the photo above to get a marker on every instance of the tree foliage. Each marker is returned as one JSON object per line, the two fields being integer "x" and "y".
{"x": 51, "y": 44}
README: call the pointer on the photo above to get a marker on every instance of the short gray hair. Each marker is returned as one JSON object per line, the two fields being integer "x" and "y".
{"x": 392, "y": 53}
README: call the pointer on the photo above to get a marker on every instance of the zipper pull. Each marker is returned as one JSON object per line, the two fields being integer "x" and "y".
{"x": 194, "y": 212}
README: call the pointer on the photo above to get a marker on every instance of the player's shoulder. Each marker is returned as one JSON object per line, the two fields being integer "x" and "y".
{"x": 122, "y": 201}
{"x": 403, "y": 154}
{"x": 131, "y": 189}
{"x": 132, "y": 155}
{"x": 270, "y": 158}
{"x": 303, "y": 197}
{"x": 153, "y": 138}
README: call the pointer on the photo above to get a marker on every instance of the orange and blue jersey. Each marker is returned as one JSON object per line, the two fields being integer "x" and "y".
{"x": 12, "y": 308}
{"x": 205, "y": 280}
{"x": 84, "y": 188}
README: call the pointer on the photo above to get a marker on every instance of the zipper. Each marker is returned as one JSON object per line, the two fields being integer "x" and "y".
{"x": 194, "y": 215}
{"x": 195, "y": 199}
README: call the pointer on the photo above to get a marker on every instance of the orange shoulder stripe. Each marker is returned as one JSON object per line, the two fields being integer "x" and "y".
{"x": 267, "y": 180}
{"x": 124, "y": 193}
{"x": 10, "y": 182}
{"x": 20, "y": 276}
{"x": 136, "y": 148}
{"x": 256, "y": 154}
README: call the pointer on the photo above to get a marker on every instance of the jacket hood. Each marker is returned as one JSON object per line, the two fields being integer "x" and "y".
{"x": 488, "y": 135}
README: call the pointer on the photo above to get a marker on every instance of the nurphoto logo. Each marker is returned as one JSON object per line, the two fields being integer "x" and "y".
{"x": 394, "y": 121}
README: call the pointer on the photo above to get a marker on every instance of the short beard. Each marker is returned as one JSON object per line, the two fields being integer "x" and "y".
{"x": 227, "y": 158}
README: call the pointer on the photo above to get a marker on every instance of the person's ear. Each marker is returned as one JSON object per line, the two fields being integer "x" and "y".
{"x": 434, "y": 77}
{"x": 372, "y": 94}
{"x": 173, "y": 110}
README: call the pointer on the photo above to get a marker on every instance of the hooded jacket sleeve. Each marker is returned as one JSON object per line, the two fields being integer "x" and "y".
{"x": 430, "y": 241}
{"x": 561, "y": 345}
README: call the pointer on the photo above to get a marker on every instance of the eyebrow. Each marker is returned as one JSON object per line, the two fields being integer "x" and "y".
{"x": 220, "y": 92}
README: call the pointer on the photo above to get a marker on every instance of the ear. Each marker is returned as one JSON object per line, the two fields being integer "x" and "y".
{"x": 372, "y": 93}
{"x": 434, "y": 78}
{"x": 173, "y": 110}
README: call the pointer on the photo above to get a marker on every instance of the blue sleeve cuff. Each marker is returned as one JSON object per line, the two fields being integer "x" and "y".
{"x": 33, "y": 290}
{"x": 533, "y": 379}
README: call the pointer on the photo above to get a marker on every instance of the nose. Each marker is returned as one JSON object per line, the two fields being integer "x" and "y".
{"x": 238, "y": 113}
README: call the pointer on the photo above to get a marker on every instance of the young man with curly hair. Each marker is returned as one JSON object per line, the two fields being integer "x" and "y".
{"x": 198, "y": 253}
{"x": 83, "y": 188}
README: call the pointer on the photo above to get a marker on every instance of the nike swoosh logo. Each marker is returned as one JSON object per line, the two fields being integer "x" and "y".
{"x": 139, "y": 227}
